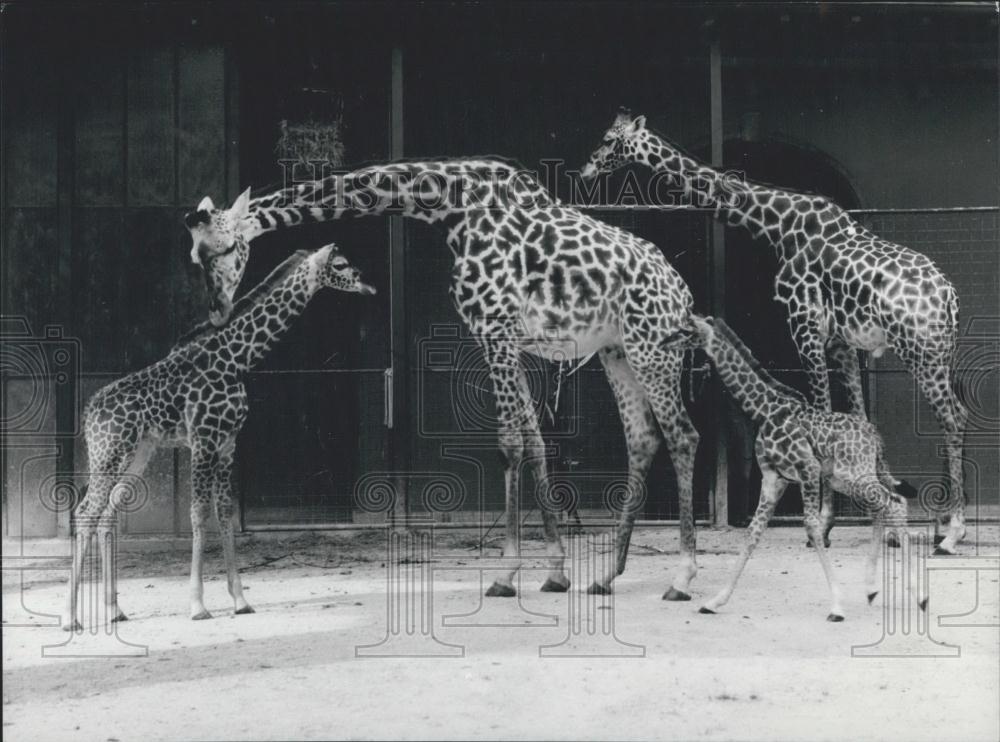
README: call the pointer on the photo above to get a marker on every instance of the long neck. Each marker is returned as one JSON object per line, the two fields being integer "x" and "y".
{"x": 758, "y": 393}
{"x": 785, "y": 219}
{"x": 251, "y": 334}
{"x": 433, "y": 192}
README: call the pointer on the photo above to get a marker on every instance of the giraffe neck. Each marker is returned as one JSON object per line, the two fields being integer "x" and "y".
{"x": 433, "y": 192}
{"x": 785, "y": 219}
{"x": 759, "y": 394}
{"x": 251, "y": 334}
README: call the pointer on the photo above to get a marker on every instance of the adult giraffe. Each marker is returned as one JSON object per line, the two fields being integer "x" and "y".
{"x": 530, "y": 275}
{"x": 845, "y": 288}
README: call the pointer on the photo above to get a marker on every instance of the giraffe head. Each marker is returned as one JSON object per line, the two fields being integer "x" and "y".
{"x": 335, "y": 272}
{"x": 704, "y": 329}
{"x": 215, "y": 231}
{"x": 220, "y": 245}
{"x": 621, "y": 145}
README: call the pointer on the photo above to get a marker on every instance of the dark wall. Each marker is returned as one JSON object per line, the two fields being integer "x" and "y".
{"x": 114, "y": 123}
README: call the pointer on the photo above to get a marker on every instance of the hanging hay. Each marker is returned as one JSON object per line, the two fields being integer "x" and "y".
{"x": 312, "y": 141}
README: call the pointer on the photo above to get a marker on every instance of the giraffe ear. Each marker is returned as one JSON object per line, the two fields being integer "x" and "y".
{"x": 639, "y": 122}
{"x": 205, "y": 204}
{"x": 241, "y": 206}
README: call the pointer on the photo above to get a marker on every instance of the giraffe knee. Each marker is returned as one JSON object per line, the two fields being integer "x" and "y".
{"x": 200, "y": 512}
{"x": 224, "y": 512}
{"x": 510, "y": 449}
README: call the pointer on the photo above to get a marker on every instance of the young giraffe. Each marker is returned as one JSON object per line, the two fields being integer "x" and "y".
{"x": 530, "y": 275}
{"x": 844, "y": 287}
{"x": 194, "y": 397}
{"x": 797, "y": 442}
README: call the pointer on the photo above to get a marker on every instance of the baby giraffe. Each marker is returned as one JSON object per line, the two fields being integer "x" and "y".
{"x": 797, "y": 442}
{"x": 194, "y": 397}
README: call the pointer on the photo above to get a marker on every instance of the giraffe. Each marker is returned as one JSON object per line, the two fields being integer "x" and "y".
{"x": 529, "y": 275}
{"x": 845, "y": 289}
{"x": 797, "y": 442}
{"x": 194, "y": 397}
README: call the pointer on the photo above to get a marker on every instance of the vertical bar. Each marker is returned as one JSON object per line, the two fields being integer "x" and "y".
{"x": 231, "y": 157}
{"x": 399, "y": 439}
{"x": 720, "y": 476}
{"x": 232, "y": 122}
{"x": 65, "y": 393}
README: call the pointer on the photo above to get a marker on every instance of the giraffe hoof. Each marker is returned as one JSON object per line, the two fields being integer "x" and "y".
{"x": 244, "y": 610}
{"x": 675, "y": 594}
{"x": 826, "y": 543}
{"x": 73, "y": 625}
{"x": 499, "y": 590}
{"x": 923, "y": 604}
{"x": 938, "y": 538}
{"x": 119, "y": 618}
{"x": 706, "y": 611}
{"x": 892, "y": 541}
{"x": 597, "y": 588}
{"x": 555, "y": 586}
{"x": 835, "y": 618}
{"x": 943, "y": 551}
{"x": 204, "y": 615}
{"x": 872, "y": 596}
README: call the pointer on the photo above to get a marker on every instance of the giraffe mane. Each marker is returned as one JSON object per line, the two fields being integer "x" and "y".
{"x": 740, "y": 347}
{"x": 249, "y": 299}
{"x": 751, "y": 181}
{"x": 509, "y": 161}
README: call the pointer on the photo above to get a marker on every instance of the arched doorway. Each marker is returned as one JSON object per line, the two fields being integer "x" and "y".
{"x": 750, "y": 307}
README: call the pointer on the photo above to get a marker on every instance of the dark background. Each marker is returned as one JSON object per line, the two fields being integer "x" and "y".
{"x": 119, "y": 118}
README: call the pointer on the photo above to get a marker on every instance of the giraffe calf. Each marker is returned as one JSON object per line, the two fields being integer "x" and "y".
{"x": 194, "y": 397}
{"x": 799, "y": 443}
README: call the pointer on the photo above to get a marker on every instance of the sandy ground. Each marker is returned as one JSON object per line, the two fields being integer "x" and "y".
{"x": 768, "y": 666}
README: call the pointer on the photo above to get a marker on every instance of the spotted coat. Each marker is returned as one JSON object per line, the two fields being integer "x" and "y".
{"x": 195, "y": 397}
{"x": 799, "y": 443}
{"x": 529, "y": 275}
{"x": 844, "y": 287}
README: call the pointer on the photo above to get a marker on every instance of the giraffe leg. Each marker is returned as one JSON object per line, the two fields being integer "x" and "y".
{"x": 811, "y": 505}
{"x": 663, "y": 389}
{"x": 85, "y": 520}
{"x": 805, "y": 327}
{"x": 556, "y": 581}
{"x": 771, "y": 489}
{"x": 224, "y": 512}
{"x": 109, "y": 459}
{"x": 203, "y": 464}
{"x": 518, "y": 427}
{"x": 642, "y": 438}
{"x": 871, "y": 566}
{"x": 131, "y": 467}
{"x": 935, "y": 383}
{"x": 845, "y": 358}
